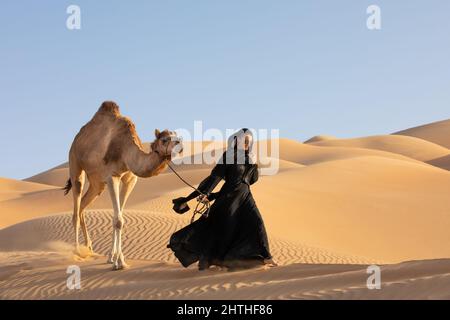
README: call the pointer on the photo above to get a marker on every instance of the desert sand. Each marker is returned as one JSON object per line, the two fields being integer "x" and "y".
{"x": 335, "y": 207}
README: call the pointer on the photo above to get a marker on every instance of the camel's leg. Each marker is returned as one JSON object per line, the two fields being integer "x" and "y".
{"x": 96, "y": 188}
{"x": 113, "y": 254}
{"x": 77, "y": 178}
{"x": 118, "y": 222}
{"x": 113, "y": 192}
{"x": 128, "y": 184}
{"x": 120, "y": 260}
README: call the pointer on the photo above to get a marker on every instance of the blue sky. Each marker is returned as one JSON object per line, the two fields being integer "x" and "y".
{"x": 305, "y": 67}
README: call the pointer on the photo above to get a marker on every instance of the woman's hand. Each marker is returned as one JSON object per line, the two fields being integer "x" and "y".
{"x": 203, "y": 198}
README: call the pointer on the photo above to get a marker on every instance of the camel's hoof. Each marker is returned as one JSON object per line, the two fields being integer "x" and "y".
{"x": 120, "y": 266}
{"x": 111, "y": 259}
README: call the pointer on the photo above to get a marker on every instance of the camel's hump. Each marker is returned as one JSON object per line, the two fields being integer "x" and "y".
{"x": 109, "y": 107}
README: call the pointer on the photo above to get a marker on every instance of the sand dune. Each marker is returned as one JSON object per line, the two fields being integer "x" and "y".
{"x": 308, "y": 154}
{"x": 292, "y": 155}
{"x": 42, "y": 275}
{"x": 368, "y": 197}
{"x": 55, "y": 177}
{"x": 339, "y": 189}
{"x": 291, "y": 152}
{"x": 145, "y": 238}
{"x": 437, "y": 132}
{"x": 320, "y": 138}
{"x": 36, "y": 254}
{"x": 442, "y": 162}
{"x": 379, "y": 201}
{"x": 11, "y": 189}
{"x": 397, "y": 210}
{"x": 335, "y": 206}
{"x": 411, "y": 147}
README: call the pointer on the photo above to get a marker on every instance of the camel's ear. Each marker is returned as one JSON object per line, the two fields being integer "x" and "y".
{"x": 157, "y": 133}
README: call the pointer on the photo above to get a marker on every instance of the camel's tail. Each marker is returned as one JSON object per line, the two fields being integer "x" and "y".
{"x": 68, "y": 187}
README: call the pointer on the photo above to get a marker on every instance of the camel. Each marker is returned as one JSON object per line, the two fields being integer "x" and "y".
{"x": 108, "y": 151}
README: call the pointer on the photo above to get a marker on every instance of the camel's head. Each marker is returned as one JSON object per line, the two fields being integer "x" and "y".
{"x": 167, "y": 143}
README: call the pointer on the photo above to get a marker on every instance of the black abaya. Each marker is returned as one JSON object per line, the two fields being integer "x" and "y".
{"x": 233, "y": 234}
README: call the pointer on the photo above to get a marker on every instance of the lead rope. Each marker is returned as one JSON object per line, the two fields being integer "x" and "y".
{"x": 204, "y": 206}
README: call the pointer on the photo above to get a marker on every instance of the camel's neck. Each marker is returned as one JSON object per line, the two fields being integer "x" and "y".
{"x": 143, "y": 164}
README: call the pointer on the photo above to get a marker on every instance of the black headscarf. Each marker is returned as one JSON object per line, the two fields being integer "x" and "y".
{"x": 236, "y": 152}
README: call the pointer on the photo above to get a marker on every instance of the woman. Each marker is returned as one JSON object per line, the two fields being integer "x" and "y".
{"x": 233, "y": 235}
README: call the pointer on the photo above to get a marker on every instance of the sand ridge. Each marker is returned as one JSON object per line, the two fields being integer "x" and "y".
{"x": 411, "y": 147}
{"x": 437, "y": 132}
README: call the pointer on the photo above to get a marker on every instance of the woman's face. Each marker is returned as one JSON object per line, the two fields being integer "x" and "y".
{"x": 248, "y": 142}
